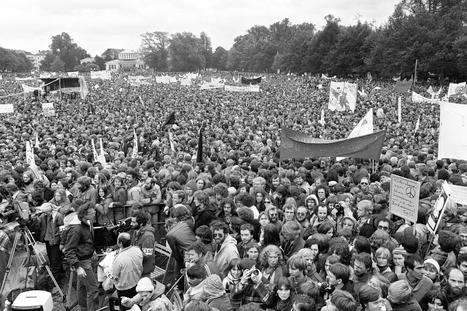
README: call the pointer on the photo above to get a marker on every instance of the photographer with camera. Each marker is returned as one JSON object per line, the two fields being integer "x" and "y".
{"x": 252, "y": 287}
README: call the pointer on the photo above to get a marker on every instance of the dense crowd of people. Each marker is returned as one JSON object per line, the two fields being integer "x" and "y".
{"x": 246, "y": 231}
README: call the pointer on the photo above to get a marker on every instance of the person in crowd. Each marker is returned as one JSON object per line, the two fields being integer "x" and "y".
{"x": 291, "y": 238}
{"x": 363, "y": 270}
{"x": 401, "y": 297}
{"x": 225, "y": 246}
{"x": 144, "y": 237}
{"x": 127, "y": 267}
{"x": 196, "y": 254}
{"x": 195, "y": 276}
{"x": 246, "y": 234}
{"x": 149, "y": 296}
{"x": 214, "y": 293}
{"x": 420, "y": 284}
{"x": 370, "y": 299}
{"x": 79, "y": 252}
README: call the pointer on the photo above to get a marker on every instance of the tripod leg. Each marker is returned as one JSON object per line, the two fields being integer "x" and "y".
{"x": 10, "y": 261}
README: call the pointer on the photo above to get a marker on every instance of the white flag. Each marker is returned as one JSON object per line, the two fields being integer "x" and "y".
{"x": 30, "y": 160}
{"x": 321, "y": 120}
{"x": 37, "y": 145}
{"x": 417, "y": 125}
{"x": 364, "y": 127}
{"x": 101, "y": 157}
{"x": 94, "y": 151}
{"x": 171, "y": 141}
{"x": 399, "y": 109}
{"x": 134, "y": 154}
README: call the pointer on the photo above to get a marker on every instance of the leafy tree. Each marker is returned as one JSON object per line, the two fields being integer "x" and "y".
{"x": 57, "y": 65}
{"x": 206, "y": 49}
{"x": 154, "y": 47}
{"x": 186, "y": 52}
{"x": 100, "y": 62}
{"x": 13, "y": 61}
{"x": 111, "y": 54}
{"x": 47, "y": 62}
{"x": 69, "y": 52}
{"x": 219, "y": 58}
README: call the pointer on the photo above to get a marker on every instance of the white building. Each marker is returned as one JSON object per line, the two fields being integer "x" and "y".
{"x": 36, "y": 59}
{"x": 87, "y": 60}
{"x": 126, "y": 60}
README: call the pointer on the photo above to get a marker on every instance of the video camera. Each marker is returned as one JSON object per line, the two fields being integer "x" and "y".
{"x": 123, "y": 225}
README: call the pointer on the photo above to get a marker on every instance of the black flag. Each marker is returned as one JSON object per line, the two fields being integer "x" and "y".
{"x": 169, "y": 120}
{"x": 199, "y": 153}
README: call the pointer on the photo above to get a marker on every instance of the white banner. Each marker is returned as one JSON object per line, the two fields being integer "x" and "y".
{"x": 210, "y": 86}
{"x": 6, "y": 108}
{"x": 403, "y": 197}
{"x": 104, "y": 75}
{"x": 342, "y": 96}
{"x": 249, "y": 88}
{"x": 417, "y": 98}
{"x": 48, "y": 109}
{"x": 455, "y": 88}
{"x": 73, "y": 74}
{"x": 399, "y": 109}
{"x": 186, "y": 82}
{"x": 364, "y": 127}
{"x": 453, "y": 122}
{"x": 138, "y": 80}
{"x": 164, "y": 79}
{"x": 29, "y": 89}
{"x": 439, "y": 208}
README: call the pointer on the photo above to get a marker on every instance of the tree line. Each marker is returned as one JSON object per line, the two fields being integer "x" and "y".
{"x": 434, "y": 32}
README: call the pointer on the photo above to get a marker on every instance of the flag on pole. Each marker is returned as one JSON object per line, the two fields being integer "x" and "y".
{"x": 417, "y": 125}
{"x": 399, "y": 109}
{"x": 101, "y": 147}
{"x": 30, "y": 160}
{"x": 321, "y": 120}
{"x": 37, "y": 144}
{"x": 364, "y": 127}
{"x": 199, "y": 153}
{"x": 171, "y": 141}
{"x": 134, "y": 154}
{"x": 94, "y": 151}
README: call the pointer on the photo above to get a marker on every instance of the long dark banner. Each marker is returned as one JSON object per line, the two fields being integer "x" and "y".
{"x": 251, "y": 81}
{"x": 298, "y": 145}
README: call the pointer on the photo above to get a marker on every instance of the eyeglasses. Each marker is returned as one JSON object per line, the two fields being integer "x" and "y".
{"x": 301, "y": 214}
{"x": 267, "y": 202}
{"x": 383, "y": 228}
{"x": 364, "y": 183}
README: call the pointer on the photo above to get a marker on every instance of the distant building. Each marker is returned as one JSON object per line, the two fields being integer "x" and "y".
{"x": 87, "y": 60}
{"x": 36, "y": 59}
{"x": 126, "y": 60}
{"x": 111, "y": 54}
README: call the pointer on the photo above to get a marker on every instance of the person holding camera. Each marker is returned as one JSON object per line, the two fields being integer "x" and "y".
{"x": 252, "y": 287}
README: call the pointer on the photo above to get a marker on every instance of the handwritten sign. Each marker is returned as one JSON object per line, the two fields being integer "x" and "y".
{"x": 48, "y": 109}
{"x": 404, "y": 196}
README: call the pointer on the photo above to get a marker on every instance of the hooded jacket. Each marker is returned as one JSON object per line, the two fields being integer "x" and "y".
{"x": 145, "y": 239}
{"x": 225, "y": 254}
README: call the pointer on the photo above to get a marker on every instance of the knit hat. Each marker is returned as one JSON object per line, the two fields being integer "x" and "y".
{"x": 433, "y": 262}
{"x": 399, "y": 251}
{"x": 213, "y": 287}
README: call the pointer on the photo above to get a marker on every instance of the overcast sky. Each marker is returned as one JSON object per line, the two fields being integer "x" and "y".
{"x": 100, "y": 24}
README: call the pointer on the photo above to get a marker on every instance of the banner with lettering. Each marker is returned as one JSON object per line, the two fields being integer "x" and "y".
{"x": 102, "y": 74}
{"x": 455, "y": 88}
{"x": 235, "y": 88}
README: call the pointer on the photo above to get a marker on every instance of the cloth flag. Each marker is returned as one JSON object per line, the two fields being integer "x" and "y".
{"x": 321, "y": 120}
{"x": 403, "y": 86}
{"x": 417, "y": 98}
{"x": 453, "y": 122}
{"x": 30, "y": 160}
{"x": 169, "y": 120}
{"x": 101, "y": 157}
{"x": 83, "y": 88}
{"x": 417, "y": 125}
{"x": 94, "y": 151}
{"x": 134, "y": 154}
{"x": 342, "y": 95}
{"x": 364, "y": 127}
{"x": 37, "y": 144}
{"x": 171, "y": 141}
{"x": 299, "y": 145}
{"x": 199, "y": 152}
{"x": 399, "y": 109}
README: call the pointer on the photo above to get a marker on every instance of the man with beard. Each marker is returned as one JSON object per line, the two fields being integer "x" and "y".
{"x": 362, "y": 270}
{"x": 291, "y": 241}
{"x": 225, "y": 246}
{"x": 86, "y": 192}
{"x": 462, "y": 264}
{"x": 420, "y": 284}
{"x": 273, "y": 214}
{"x": 144, "y": 238}
{"x": 134, "y": 189}
{"x": 454, "y": 287}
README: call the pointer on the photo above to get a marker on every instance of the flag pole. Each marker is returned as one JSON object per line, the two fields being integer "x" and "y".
{"x": 415, "y": 72}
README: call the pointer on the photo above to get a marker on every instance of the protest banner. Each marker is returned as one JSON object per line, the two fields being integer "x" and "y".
{"x": 453, "y": 120}
{"x": 342, "y": 96}
{"x": 455, "y": 88}
{"x": 210, "y": 86}
{"x": 6, "y": 108}
{"x": 244, "y": 89}
{"x": 104, "y": 75}
{"x": 439, "y": 208}
{"x": 417, "y": 98}
{"x": 48, "y": 109}
{"x": 404, "y": 197}
{"x": 298, "y": 145}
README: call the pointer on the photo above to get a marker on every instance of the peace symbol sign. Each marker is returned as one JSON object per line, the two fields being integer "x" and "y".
{"x": 410, "y": 192}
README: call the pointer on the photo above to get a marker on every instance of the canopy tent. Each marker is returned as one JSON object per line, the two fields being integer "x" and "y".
{"x": 66, "y": 85}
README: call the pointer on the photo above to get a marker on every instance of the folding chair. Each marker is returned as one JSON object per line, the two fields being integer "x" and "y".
{"x": 163, "y": 251}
